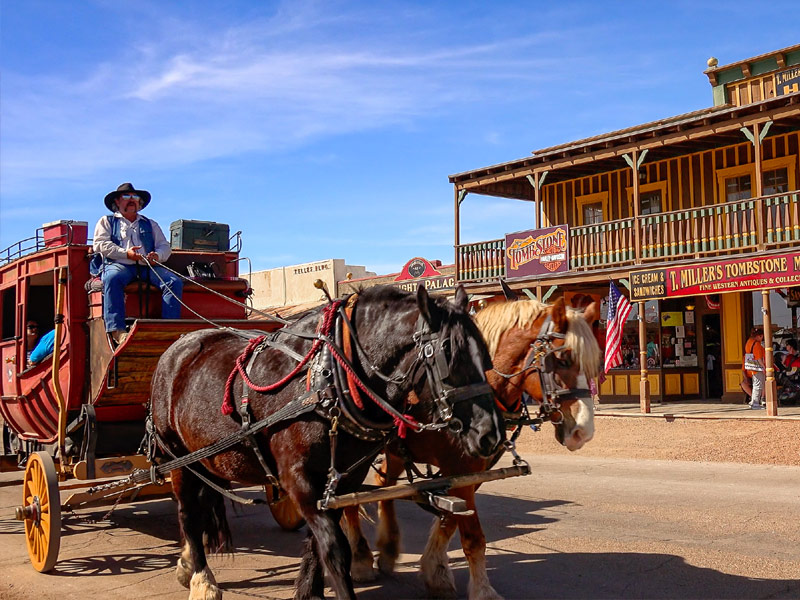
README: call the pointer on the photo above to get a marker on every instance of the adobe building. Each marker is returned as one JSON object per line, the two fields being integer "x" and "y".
{"x": 288, "y": 290}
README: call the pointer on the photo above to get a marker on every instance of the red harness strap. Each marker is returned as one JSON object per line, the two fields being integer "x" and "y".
{"x": 323, "y": 327}
{"x": 348, "y": 352}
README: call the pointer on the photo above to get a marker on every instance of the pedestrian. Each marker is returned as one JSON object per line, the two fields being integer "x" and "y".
{"x": 124, "y": 239}
{"x": 754, "y": 363}
{"x": 792, "y": 358}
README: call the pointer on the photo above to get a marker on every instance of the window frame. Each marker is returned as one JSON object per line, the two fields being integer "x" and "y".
{"x": 581, "y": 201}
{"x": 788, "y": 162}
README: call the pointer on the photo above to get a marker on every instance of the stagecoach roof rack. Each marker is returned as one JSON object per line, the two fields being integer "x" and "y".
{"x": 50, "y": 235}
{"x": 22, "y": 248}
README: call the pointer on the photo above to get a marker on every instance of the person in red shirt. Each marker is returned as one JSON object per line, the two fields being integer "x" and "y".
{"x": 792, "y": 358}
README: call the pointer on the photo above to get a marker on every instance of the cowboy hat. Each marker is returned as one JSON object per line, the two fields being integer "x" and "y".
{"x": 126, "y": 188}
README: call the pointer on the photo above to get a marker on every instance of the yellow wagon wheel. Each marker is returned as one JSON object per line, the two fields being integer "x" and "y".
{"x": 283, "y": 510}
{"x": 41, "y": 511}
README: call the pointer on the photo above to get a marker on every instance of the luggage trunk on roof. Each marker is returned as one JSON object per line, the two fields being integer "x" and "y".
{"x": 199, "y": 235}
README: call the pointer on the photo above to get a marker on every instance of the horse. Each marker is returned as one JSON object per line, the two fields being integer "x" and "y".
{"x": 545, "y": 351}
{"x": 415, "y": 363}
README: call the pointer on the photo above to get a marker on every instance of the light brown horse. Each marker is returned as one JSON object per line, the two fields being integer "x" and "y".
{"x": 525, "y": 338}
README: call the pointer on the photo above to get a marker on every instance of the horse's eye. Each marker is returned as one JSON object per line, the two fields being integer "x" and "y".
{"x": 564, "y": 359}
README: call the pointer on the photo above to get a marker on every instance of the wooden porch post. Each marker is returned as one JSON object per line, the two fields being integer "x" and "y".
{"x": 537, "y": 199}
{"x": 770, "y": 387}
{"x": 457, "y": 230}
{"x": 759, "y": 191}
{"x": 636, "y": 208}
{"x": 644, "y": 383}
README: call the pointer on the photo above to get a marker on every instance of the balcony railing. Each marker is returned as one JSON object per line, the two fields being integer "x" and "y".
{"x": 738, "y": 227}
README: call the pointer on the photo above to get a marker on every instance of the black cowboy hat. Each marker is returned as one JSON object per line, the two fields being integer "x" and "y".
{"x": 126, "y": 188}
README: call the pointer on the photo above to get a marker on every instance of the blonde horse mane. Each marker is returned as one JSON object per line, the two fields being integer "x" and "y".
{"x": 498, "y": 317}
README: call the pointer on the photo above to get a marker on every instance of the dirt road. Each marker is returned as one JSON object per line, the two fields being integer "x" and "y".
{"x": 632, "y": 515}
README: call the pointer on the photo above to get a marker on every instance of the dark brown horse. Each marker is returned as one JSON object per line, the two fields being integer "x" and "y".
{"x": 546, "y": 351}
{"x": 419, "y": 365}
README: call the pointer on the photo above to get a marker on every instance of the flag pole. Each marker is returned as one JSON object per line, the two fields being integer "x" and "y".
{"x": 644, "y": 383}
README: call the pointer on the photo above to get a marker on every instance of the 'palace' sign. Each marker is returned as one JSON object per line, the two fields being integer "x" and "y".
{"x": 537, "y": 251}
{"x": 747, "y": 274}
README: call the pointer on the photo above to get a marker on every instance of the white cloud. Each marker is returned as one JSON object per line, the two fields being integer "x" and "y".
{"x": 198, "y": 93}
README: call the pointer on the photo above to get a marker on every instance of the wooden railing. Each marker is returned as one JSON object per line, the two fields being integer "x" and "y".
{"x": 739, "y": 227}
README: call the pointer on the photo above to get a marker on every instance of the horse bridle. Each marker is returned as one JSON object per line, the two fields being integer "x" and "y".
{"x": 543, "y": 360}
{"x": 430, "y": 355}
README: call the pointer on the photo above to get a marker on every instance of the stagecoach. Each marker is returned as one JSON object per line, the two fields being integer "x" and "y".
{"x": 76, "y": 421}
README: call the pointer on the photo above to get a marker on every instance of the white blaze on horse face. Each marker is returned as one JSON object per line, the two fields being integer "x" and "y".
{"x": 583, "y": 430}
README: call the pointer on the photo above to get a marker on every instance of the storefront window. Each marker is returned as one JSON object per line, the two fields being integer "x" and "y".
{"x": 630, "y": 335}
{"x": 678, "y": 334}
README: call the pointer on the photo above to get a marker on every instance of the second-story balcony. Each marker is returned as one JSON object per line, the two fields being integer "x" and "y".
{"x": 734, "y": 228}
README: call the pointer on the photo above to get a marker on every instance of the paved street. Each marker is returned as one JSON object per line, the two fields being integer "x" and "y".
{"x": 580, "y": 527}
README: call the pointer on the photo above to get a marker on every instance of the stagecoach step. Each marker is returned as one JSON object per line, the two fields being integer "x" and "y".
{"x": 431, "y": 491}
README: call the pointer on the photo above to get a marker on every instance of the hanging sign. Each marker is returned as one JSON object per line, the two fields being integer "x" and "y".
{"x": 418, "y": 270}
{"x": 787, "y": 81}
{"x": 741, "y": 275}
{"x": 537, "y": 251}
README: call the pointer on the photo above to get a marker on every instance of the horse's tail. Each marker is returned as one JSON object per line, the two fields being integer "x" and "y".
{"x": 216, "y": 531}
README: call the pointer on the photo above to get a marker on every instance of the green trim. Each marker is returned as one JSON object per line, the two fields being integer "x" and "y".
{"x": 549, "y": 293}
{"x": 729, "y": 76}
{"x": 529, "y": 294}
{"x": 718, "y": 95}
{"x": 764, "y": 66}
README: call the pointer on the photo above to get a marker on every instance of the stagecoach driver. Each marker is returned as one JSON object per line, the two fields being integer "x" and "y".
{"x": 123, "y": 239}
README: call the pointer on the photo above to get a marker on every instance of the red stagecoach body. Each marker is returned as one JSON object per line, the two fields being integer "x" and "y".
{"x": 114, "y": 382}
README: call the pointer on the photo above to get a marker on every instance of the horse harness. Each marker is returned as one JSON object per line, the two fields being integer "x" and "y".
{"x": 333, "y": 390}
{"x": 542, "y": 359}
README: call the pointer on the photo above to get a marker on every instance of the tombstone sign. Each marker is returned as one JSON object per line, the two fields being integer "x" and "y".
{"x": 537, "y": 251}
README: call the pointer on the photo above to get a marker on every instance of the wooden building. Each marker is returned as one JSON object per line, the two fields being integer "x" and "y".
{"x": 696, "y": 214}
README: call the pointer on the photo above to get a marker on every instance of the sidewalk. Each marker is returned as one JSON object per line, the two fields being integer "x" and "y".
{"x": 707, "y": 409}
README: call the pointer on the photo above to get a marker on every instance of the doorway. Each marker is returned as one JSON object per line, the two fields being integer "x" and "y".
{"x": 712, "y": 355}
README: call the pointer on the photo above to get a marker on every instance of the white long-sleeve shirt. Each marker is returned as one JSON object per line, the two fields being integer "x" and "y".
{"x": 129, "y": 237}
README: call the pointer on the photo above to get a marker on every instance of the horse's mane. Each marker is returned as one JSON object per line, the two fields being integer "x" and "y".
{"x": 498, "y": 317}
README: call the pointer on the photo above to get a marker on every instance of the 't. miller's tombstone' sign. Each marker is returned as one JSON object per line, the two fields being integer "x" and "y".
{"x": 787, "y": 81}
{"x": 537, "y": 251}
{"x": 747, "y": 274}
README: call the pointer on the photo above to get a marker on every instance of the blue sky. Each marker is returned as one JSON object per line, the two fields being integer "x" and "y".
{"x": 328, "y": 129}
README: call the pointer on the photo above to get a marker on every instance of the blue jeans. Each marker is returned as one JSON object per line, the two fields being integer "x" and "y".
{"x": 116, "y": 276}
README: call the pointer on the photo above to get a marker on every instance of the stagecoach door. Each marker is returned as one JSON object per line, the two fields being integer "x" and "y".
{"x": 10, "y": 333}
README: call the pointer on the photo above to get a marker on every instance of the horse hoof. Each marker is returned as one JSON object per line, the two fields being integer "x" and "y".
{"x": 485, "y": 593}
{"x": 386, "y": 564}
{"x": 363, "y": 573}
{"x": 439, "y": 582}
{"x": 203, "y": 586}
{"x": 183, "y": 571}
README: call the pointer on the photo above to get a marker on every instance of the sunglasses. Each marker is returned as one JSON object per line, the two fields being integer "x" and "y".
{"x": 32, "y": 327}
{"x": 130, "y": 197}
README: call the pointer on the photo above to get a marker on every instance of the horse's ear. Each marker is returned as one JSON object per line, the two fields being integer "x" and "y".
{"x": 510, "y": 294}
{"x": 461, "y": 300}
{"x": 428, "y": 308}
{"x": 559, "y": 314}
{"x": 592, "y": 313}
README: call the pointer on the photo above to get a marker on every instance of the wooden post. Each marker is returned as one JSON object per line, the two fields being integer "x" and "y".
{"x": 537, "y": 199}
{"x": 759, "y": 188}
{"x": 636, "y": 208}
{"x": 644, "y": 383}
{"x": 770, "y": 387}
{"x": 457, "y": 233}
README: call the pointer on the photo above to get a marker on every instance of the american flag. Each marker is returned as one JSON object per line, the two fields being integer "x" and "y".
{"x": 618, "y": 309}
